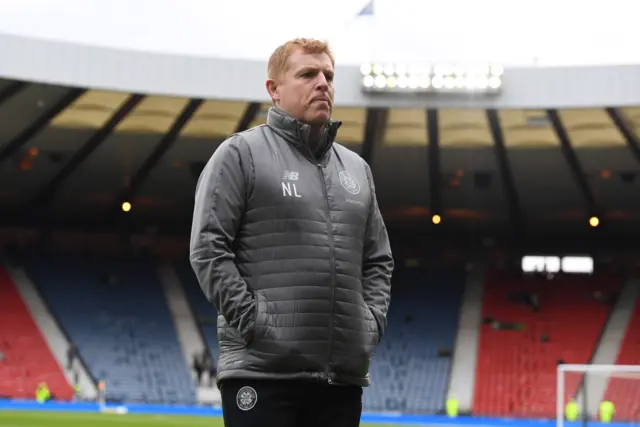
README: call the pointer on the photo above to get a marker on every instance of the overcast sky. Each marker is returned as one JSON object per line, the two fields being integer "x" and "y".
{"x": 549, "y": 32}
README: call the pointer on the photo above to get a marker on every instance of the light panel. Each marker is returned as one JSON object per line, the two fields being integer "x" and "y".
{"x": 439, "y": 78}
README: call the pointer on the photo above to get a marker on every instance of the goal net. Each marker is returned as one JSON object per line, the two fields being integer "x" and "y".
{"x": 598, "y": 393}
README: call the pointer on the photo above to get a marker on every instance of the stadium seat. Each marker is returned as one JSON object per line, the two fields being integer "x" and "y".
{"x": 516, "y": 370}
{"x": 27, "y": 360}
{"x": 408, "y": 371}
{"x": 116, "y": 313}
{"x": 624, "y": 391}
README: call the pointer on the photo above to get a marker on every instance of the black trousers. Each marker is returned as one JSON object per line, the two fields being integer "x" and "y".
{"x": 266, "y": 403}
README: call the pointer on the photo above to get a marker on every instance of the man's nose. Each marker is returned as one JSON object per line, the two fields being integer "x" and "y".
{"x": 322, "y": 83}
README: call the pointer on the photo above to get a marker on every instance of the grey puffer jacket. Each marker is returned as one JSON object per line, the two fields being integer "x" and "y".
{"x": 290, "y": 247}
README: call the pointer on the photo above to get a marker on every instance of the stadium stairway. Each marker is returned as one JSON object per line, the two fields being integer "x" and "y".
{"x": 465, "y": 356}
{"x": 410, "y": 370}
{"x": 189, "y": 336}
{"x": 624, "y": 389}
{"x": 205, "y": 313}
{"x": 184, "y": 321}
{"x": 115, "y": 312}
{"x": 516, "y": 371}
{"x": 52, "y": 333}
{"x": 27, "y": 360}
{"x": 609, "y": 346}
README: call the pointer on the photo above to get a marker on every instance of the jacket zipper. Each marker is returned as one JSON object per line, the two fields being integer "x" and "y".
{"x": 332, "y": 250}
{"x": 333, "y": 271}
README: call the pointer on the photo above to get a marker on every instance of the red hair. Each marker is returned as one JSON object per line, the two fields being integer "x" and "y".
{"x": 278, "y": 61}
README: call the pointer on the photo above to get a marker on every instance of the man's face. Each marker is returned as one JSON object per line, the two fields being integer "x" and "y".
{"x": 305, "y": 89}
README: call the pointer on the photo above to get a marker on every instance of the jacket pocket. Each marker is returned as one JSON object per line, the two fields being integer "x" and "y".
{"x": 355, "y": 343}
{"x": 228, "y": 336}
{"x": 231, "y": 335}
{"x": 259, "y": 320}
{"x": 372, "y": 324}
{"x": 370, "y": 321}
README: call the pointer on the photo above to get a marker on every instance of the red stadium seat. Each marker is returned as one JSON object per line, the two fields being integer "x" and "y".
{"x": 624, "y": 391}
{"x": 516, "y": 371}
{"x": 27, "y": 359}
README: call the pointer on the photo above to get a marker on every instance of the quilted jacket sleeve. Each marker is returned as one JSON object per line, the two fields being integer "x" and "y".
{"x": 377, "y": 265}
{"x": 220, "y": 201}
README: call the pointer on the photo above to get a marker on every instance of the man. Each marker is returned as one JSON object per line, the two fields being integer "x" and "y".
{"x": 289, "y": 245}
{"x": 71, "y": 355}
{"x": 198, "y": 368}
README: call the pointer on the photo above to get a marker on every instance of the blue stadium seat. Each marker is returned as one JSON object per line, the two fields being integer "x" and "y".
{"x": 121, "y": 327}
{"x": 407, "y": 372}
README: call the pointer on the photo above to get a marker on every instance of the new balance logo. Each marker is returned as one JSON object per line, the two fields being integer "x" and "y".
{"x": 290, "y": 176}
{"x": 288, "y": 188}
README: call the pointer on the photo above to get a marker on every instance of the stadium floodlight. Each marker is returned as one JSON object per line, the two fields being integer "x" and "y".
{"x": 589, "y": 386}
{"x": 439, "y": 78}
{"x": 555, "y": 264}
{"x": 541, "y": 264}
{"x": 577, "y": 265}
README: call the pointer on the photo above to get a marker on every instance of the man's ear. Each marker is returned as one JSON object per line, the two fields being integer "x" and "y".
{"x": 272, "y": 89}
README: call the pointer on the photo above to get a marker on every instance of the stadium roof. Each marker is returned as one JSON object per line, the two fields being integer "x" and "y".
{"x": 71, "y": 155}
{"x": 173, "y": 74}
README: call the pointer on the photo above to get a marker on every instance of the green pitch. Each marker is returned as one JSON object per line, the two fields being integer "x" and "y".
{"x": 65, "y": 419}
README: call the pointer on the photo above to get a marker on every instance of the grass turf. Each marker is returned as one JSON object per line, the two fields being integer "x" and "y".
{"x": 67, "y": 419}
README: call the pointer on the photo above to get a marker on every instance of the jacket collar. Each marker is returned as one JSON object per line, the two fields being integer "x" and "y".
{"x": 297, "y": 133}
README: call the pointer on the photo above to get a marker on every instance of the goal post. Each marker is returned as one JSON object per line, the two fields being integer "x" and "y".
{"x": 590, "y": 385}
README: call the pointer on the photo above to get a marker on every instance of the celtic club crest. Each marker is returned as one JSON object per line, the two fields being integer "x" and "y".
{"x": 349, "y": 182}
{"x": 246, "y": 398}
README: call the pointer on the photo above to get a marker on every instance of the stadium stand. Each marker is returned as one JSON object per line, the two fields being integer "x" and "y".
{"x": 410, "y": 370}
{"x": 624, "y": 391}
{"x": 26, "y": 359}
{"x": 204, "y": 312}
{"x": 517, "y": 360}
{"x": 116, "y": 314}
